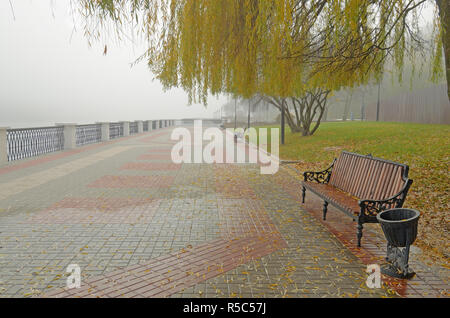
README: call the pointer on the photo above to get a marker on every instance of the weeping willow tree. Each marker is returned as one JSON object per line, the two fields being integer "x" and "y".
{"x": 280, "y": 49}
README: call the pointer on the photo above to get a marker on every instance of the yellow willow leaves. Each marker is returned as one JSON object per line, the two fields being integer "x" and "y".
{"x": 244, "y": 47}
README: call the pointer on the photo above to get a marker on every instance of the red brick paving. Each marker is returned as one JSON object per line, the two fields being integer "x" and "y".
{"x": 244, "y": 218}
{"x": 102, "y": 204}
{"x": 151, "y": 139}
{"x": 170, "y": 143}
{"x": 166, "y": 150}
{"x": 231, "y": 184}
{"x": 247, "y": 233}
{"x": 132, "y": 182}
{"x": 150, "y": 166}
{"x": 155, "y": 157}
{"x": 97, "y": 211}
{"x": 172, "y": 273}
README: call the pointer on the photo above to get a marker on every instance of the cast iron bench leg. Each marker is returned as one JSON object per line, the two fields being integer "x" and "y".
{"x": 303, "y": 194}
{"x": 325, "y": 207}
{"x": 359, "y": 233}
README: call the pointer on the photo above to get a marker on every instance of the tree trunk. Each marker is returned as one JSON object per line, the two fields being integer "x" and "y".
{"x": 348, "y": 102}
{"x": 444, "y": 15}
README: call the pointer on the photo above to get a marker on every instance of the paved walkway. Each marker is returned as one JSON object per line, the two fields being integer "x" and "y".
{"x": 140, "y": 226}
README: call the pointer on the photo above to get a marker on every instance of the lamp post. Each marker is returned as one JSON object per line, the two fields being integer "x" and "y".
{"x": 282, "y": 122}
{"x": 235, "y": 114}
{"x": 248, "y": 117}
{"x": 378, "y": 101}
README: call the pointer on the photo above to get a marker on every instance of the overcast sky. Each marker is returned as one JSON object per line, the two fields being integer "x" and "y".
{"x": 49, "y": 76}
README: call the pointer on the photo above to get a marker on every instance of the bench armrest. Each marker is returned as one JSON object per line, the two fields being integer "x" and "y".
{"x": 370, "y": 208}
{"x": 320, "y": 176}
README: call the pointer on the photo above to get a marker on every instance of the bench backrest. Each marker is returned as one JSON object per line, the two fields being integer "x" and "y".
{"x": 366, "y": 177}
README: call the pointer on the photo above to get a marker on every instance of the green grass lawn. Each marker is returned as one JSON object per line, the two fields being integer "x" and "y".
{"x": 425, "y": 148}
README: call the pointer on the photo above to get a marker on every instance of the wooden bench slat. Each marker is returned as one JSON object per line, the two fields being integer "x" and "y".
{"x": 370, "y": 172}
{"x": 385, "y": 188}
{"x": 373, "y": 166}
{"x": 341, "y": 171}
{"x": 351, "y": 175}
{"x": 344, "y": 200}
{"x": 380, "y": 180}
{"x": 363, "y": 178}
{"x": 345, "y": 163}
{"x": 338, "y": 167}
{"x": 399, "y": 183}
{"x": 358, "y": 176}
{"x": 348, "y": 172}
{"x": 370, "y": 188}
{"x": 386, "y": 182}
{"x": 390, "y": 186}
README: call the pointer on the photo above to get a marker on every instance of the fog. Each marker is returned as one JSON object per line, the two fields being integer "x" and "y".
{"x": 49, "y": 74}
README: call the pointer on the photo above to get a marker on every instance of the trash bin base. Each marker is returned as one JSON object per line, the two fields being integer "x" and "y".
{"x": 393, "y": 271}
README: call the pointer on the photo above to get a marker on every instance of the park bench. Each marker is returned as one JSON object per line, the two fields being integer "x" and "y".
{"x": 360, "y": 186}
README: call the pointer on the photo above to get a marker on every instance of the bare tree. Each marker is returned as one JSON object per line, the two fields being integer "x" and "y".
{"x": 301, "y": 112}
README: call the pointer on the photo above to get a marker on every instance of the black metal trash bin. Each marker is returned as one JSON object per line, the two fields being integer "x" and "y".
{"x": 400, "y": 228}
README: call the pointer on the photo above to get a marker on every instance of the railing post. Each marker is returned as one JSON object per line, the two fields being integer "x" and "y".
{"x": 70, "y": 135}
{"x": 3, "y": 145}
{"x": 126, "y": 128}
{"x": 140, "y": 126}
{"x": 150, "y": 126}
{"x": 105, "y": 130}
